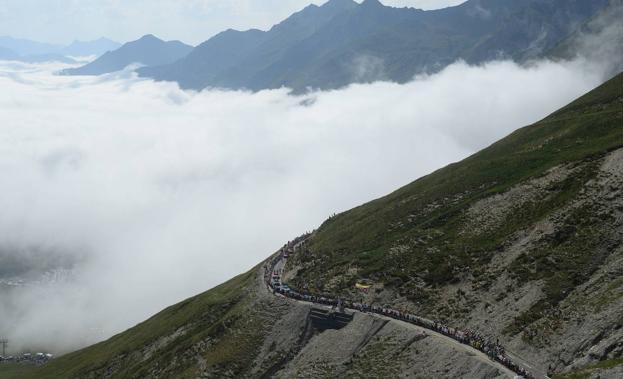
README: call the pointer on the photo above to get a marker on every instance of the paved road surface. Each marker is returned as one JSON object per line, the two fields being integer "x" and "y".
{"x": 477, "y": 354}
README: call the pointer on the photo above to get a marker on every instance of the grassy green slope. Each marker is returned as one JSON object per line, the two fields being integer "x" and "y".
{"x": 162, "y": 343}
{"x": 15, "y": 371}
{"x": 425, "y": 218}
{"x": 587, "y": 372}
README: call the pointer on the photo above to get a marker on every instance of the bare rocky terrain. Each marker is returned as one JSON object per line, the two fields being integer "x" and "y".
{"x": 586, "y": 326}
{"x": 370, "y": 346}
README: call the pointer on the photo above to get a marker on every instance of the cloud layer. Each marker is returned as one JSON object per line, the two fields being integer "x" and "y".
{"x": 155, "y": 194}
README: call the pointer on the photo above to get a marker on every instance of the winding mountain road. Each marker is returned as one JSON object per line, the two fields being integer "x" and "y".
{"x": 279, "y": 264}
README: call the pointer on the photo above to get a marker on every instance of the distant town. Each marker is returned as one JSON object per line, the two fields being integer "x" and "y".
{"x": 23, "y": 358}
{"x": 27, "y": 358}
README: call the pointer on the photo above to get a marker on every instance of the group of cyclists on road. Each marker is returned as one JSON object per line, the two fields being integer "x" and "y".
{"x": 493, "y": 349}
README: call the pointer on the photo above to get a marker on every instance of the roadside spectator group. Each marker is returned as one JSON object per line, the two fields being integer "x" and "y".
{"x": 27, "y": 358}
{"x": 492, "y": 349}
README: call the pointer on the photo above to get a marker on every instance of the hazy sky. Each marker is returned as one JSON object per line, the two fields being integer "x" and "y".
{"x": 192, "y": 21}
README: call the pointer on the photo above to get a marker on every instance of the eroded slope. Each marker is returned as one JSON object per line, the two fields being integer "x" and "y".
{"x": 521, "y": 241}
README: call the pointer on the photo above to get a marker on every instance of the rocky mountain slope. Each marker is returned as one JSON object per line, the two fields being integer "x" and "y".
{"x": 148, "y": 50}
{"x": 343, "y": 42}
{"x": 240, "y": 329}
{"x": 521, "y": 242}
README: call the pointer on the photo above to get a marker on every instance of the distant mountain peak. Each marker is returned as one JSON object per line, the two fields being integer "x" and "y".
{"x": 345, "y": 4}
{"x": 372, "y": 3}
{"x": 148, "y": 50}
{"x": 149, "y": 37}
{"x": 322, "y": 47}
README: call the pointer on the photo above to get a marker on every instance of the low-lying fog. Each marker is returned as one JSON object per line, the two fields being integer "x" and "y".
{"x": 145, "y": 194}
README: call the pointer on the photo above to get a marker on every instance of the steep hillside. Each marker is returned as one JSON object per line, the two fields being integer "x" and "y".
{"x": 241, "y": 330}
{"x": 522, "y": 240}
{"x": 148, "y": 50}
{"x": 343, "y": 42}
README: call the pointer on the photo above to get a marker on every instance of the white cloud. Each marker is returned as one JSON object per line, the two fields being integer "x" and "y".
{"x": 166, "y": 193}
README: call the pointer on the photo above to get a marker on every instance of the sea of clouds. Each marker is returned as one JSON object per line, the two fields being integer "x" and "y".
{"x": 149, "y": 194}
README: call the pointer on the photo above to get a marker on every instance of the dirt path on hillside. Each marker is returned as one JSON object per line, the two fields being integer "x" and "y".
{"x": 442, "y": 339}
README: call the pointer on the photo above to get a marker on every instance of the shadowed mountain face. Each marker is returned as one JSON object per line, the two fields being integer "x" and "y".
{"x": 588, "y": 40}
{"x": 521, "y": 241}
{"x": 148, "y": 50}
{"x": 344, "y": 42}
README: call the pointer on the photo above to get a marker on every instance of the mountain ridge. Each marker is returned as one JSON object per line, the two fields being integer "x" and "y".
{"x": 344, "y": 42}
{"x": 28, "y": 51}
{"x": 147, "y": 50}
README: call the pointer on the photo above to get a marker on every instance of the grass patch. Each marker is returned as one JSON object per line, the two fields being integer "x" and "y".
{"x": 585, "y": 373}
{"x": 203, "y": 316}
{"x": 15, "y": 370}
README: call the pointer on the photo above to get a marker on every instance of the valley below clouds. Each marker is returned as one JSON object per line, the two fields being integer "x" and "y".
{"x": 141, "y": 194}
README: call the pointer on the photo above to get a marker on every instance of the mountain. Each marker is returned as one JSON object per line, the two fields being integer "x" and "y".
{"x": 28, "y": 47}
{"x": 86, "y": 48}
{"x": 28, "y": 51}
{"x": 521, "y": 242}
{"x": 43, "y": 58}
{"x": 7, "y": 54}
{"x": 148, "y": 50}
{"x": 597, "y": 40}
{"x": 10, "y": 55}
{"x": 343, "y": 42}
{"x": 210, "y": 62}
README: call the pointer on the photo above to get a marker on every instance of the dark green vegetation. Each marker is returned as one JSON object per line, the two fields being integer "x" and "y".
{"x": 15, "y": 371}
{"x": 343, "y": 42}
{"x": 585, "y": 373}
{"x": 422, "y": 238}
{"x": 214, "y": 326}
{"x": 148, "y": 50}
